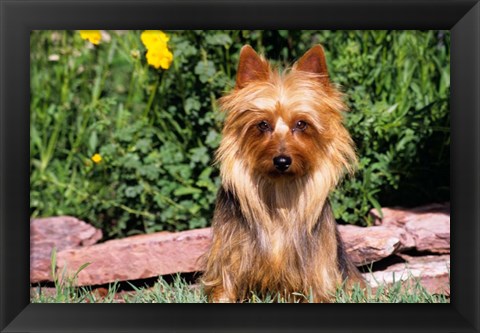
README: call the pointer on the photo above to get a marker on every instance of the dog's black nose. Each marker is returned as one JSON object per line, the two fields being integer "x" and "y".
{"x": 282, "y": 163}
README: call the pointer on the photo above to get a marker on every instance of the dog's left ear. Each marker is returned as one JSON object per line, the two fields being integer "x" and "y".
{"x": 313, "y": 61}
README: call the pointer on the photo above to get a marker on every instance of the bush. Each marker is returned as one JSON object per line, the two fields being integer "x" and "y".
{"x": 156, "y": 130}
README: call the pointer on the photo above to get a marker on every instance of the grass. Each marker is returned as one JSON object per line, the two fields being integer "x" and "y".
{"x": 180, "y": 291}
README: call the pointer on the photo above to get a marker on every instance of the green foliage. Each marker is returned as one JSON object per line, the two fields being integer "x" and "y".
{"x": 157, "y": 130}
{"x": 397, "y": 86}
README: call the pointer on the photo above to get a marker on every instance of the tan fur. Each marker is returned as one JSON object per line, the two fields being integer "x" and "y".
{"x": 271, "y": 239}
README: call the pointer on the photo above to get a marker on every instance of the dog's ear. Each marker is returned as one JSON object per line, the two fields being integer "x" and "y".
{"x": 251, "y": 67}
{"x": 313, "y": 61}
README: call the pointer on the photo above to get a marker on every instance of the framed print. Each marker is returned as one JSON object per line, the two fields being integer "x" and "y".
{"x": 22, "y": 20}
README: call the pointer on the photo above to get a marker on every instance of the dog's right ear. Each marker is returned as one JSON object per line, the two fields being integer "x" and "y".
{"x": 251, "y": 67}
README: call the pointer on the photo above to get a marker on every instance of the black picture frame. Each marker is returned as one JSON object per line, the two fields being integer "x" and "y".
{"x": 19, "y": 17}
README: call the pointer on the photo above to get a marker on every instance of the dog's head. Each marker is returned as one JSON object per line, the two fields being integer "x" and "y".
{"x": 285, "y": 124}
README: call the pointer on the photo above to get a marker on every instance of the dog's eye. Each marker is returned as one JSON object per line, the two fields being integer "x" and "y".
{"x": 263, "y": 126}
{"x": 300, "y": 125}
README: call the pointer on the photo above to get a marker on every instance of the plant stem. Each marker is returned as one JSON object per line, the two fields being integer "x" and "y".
{"x": 152, "y": 94}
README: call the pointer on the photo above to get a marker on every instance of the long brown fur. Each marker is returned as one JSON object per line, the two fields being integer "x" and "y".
{"x": 274, "y": 231}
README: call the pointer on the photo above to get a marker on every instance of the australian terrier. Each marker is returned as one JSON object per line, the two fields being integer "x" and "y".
{"x": 283, "y": 150}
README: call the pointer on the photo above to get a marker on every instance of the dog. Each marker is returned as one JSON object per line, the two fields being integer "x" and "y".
{"x": 283, "y": 149}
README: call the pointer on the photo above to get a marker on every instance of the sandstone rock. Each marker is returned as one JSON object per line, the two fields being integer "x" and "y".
{"x": 432, "y": 272}
{"x": 428, "y": 226}
{"x": 145, "y": 256}
{"x": 367, "y": 245}
{"x": 400, "y": 216}
{"x": 137, "y": 257}
{"x": 431, "y": 232}
{"x": 62, "y": 232}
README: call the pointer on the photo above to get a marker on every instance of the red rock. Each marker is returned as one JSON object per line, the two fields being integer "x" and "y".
{"x": 367, "y": 245}
{"x": 431, "y": 232}
{"x": 432, "y": 271}
{"x": 62, "y": 232}
{"x": 428, "y": 226}
{"x": 137, "y": 257}
{"x": 145, "y": 256}
{"x": 398, "y": 216}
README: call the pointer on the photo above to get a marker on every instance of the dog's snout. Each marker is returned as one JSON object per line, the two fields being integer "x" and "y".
{"x": 282, "y": 162}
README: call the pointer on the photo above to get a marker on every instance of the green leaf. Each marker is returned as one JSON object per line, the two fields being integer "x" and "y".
{"x": 93, "y": 142}
{"x": 205, "y": 70}
{"x": 375, "y": 204}
{"x": 82, "y": 267}
{"x": 186, "y": 190}
{"x": 219, "y": 39}
{"x": 133, "y": 191}
{"x": 205, "y": 174}
{"x": 192, "y": 104}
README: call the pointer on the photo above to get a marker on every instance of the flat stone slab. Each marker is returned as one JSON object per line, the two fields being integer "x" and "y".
{"x": 137, "y": 257}
{"x": 367, "y": 245}
{"x": 61, "y": 232}
{"x": 431, "y": 232}
{"x": 145, "y": 256}
{"x": 428, "y": 226}
{"x": 433, "y": 272}
{"x": 398, "y": 216}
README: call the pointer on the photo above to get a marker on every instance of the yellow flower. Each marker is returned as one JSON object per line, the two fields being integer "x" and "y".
{"x": 159, "y": 57}
{"x": 97, "y": 158}
{"x": 93, "y": 36}
{"x": 154, "y": 38}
